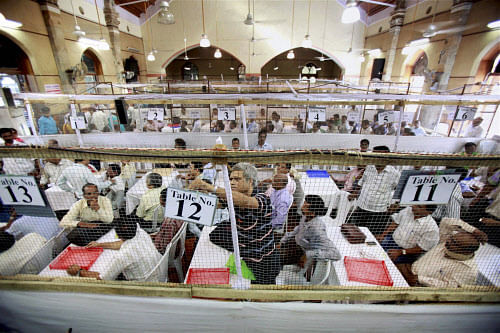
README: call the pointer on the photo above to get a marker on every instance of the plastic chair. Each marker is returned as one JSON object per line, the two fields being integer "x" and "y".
{"x": 321, "y": 272}
{"x": 158, "y": 217}
{"x": 176, "y": 261}
{"x": 40, "y": 260}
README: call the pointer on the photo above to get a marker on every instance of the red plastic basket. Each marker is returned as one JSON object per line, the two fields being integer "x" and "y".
{"x": 80, "y": 256}
{"x": 208, "y": 276}
{"x": 367, "y": 271}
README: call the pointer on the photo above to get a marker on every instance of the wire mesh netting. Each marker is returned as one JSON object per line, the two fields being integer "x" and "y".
{"x": 299, "y": 219}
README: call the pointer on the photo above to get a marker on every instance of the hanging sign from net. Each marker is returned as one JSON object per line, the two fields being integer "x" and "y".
{"x": 429, "y": 189}
{"x": 251, "y": 114}
{"x": 353, "y": 116}
{"x": 78, "y": 122}
{"x": 388, "y": 117}
{"x": 20, "y": 190}
{"x": 195, "y": 114}
{"x": 226, "y": 113}
{"x": 190, "y": 206}
{"x": 317, "y": 113}
{"x": 465, "y": 113}
{"x": 156, "y": 114}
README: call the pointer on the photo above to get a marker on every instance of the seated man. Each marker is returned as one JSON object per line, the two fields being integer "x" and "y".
{"x": 128, "y": 173}
{"x": 261, "y": 142}
{"x": 377, "y": 185}
{"x": 309, "y": 238}
{"x": 451, "y": 262}
{"x": 53, "y": 166}
{"x": 168, "y": 229}
{"x": 74, "y": 177}
{"x": 116, "y": 191}
{"x": 135, "y": 258}
{"x": 88, "y": 218}
{"x": 253, "y": 217}
{"x": 412, "y": 232}
{"x": 149, "y": 201}
{"x": 15, "y": 254}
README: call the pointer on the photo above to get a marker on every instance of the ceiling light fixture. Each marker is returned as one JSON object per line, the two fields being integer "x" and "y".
{"x": 9, "y": 23}
{"x": 275, "y": 68}
{"x": 351, "y": 12}
{"x": 218, "y": 54}
{"x": 231, "y": 68}
{"x": 151, "y": 56}
{"x": 164, "y": 15}
{"x": 290, "y": 55}
{"x": 103, "y": 44}
{"x": 494, "y": 24}
{"x": 307, "y": 42}
{"x": 204, "y": 41}
{"x": 249, "y": 20}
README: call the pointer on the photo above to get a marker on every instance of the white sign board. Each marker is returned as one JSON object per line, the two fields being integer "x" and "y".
{"x": 20, "y": 190}
{"x": 251, "y": 114}
{"x": 195, "y": 114}
{"x": 353, "y": 116}
{"x": 190, "y": 206}
{"x": 156, "y": 114}
{"x": 317, "y": 114}
{"x": 388, "y": 117}
{"x": 226, "y": 114}
{"x": 78, "y": 122}
{"x": 302, "y": 115}
{"x": 465, "y": 113}
{"x": 429, "y": 189}
{"x": 54, "y": 88}
{"x": 408, "y": 117}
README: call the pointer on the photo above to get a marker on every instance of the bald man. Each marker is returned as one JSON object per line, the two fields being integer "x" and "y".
{"x": 451, "y": 262}
{"x": 281, "y": 200}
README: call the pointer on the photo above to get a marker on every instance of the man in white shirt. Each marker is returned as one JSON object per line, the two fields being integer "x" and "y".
{"x": 450, "y": 264}
{"x": 17, "y": 166}
{"x": 474, "y": 130}
{"x": 14, "y": 255}
{"x": 116, "y": 191}
{"x": 377, "y": 187}
{"x": 135, "y": 257}
{"x": 278, "y": 124}
{"x": 412, "y": 232}
{"x": 100, "y": 120}
{"x": 261, "y": 143}
{"x": 74, "y": 177}
{"x": 419, "y": 131}
{"x": 47, "y": 227}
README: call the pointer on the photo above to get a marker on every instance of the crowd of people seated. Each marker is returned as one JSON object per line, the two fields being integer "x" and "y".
{"x": 277, "y": 224}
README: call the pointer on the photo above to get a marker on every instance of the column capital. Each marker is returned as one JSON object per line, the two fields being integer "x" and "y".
{"x": 398, "y": 14}
{"x": 111, "y": 16}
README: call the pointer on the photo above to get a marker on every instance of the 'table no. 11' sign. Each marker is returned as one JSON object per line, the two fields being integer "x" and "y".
{"x": 190, "y": 206}
{"x": 429, "y": 189}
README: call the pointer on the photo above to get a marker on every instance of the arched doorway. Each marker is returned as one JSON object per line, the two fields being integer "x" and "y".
{"x": 283, "y": 68}
{"x": 131, "y": 67}
{"x": 90, "y": 74}
{"x": 206, "y": 65}
{"x": 15, "y": 65}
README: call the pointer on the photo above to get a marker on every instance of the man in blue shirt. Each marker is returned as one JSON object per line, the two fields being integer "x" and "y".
{"x": 47, "y": 124}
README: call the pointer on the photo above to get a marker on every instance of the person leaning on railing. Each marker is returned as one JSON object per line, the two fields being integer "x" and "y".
{"x": 253, "y": 218}
{"x": 89, "y": 218}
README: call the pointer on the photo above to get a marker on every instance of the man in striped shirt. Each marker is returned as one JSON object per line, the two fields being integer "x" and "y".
{"x": 253, "y": 220}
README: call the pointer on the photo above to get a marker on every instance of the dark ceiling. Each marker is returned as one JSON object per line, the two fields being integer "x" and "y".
{"x": 372, "y": 9}
{"x": 137, "y": 8}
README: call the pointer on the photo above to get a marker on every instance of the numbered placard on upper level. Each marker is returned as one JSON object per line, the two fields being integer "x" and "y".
{"x": 388, "y": 116}
{"x": 251, "y": 114}
{"x": 353, "y": 116}
{"x": 317, "y": 113}
{"x": 195, "y": 114}
{"x": 226, "y": 114}
{"x": 78, "y": 122}
{"x": 190, "y": 206}
{"x": 465, "y": 113}
{"x": 429, "y": 189}
{"x": 20, "y": 190}
{"x": 156, "y": 114}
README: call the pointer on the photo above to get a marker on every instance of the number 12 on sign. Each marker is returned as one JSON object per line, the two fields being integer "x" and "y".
{"x": 190, "y": 206}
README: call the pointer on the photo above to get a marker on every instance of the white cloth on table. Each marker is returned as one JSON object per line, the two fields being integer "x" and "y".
{"x": 377, "y": 188}
{"x": 14, "y": 259}
{"x": 135, "y": 258}
{"x": 60, "y": 199}
{"x": 46, "y": 227}
{"x": 411, "y": 232}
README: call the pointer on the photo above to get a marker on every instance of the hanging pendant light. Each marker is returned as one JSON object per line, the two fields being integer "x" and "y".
{"x": 290, "y": 55}
{"x": 351, "y": 12}
{"x": 218, "y": 54}
{"x": 151, "y": 56}
{"x": 204, "y": 41}
{"x": 307, "y": 42}
{"x": 164, "y": 15}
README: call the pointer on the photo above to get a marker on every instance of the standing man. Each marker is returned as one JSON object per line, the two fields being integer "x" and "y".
{"x": 474, "y": 130}
{"x": 47, "y": 124}
{"x": 253, "y": 218}
{"x": 73, "y": 178}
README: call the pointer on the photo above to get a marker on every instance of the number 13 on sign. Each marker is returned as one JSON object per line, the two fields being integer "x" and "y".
{"x": 20, "y": 191}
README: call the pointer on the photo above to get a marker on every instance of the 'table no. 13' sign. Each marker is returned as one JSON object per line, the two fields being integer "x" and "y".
{"x": 190, "y": 206}
{"x": 20, "y": 190}
{"x": 429, "y": 189}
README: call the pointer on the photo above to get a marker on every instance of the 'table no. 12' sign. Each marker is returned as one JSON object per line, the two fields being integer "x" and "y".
{"x": 429, "y": 189}
{"x": 190, "y": 206}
